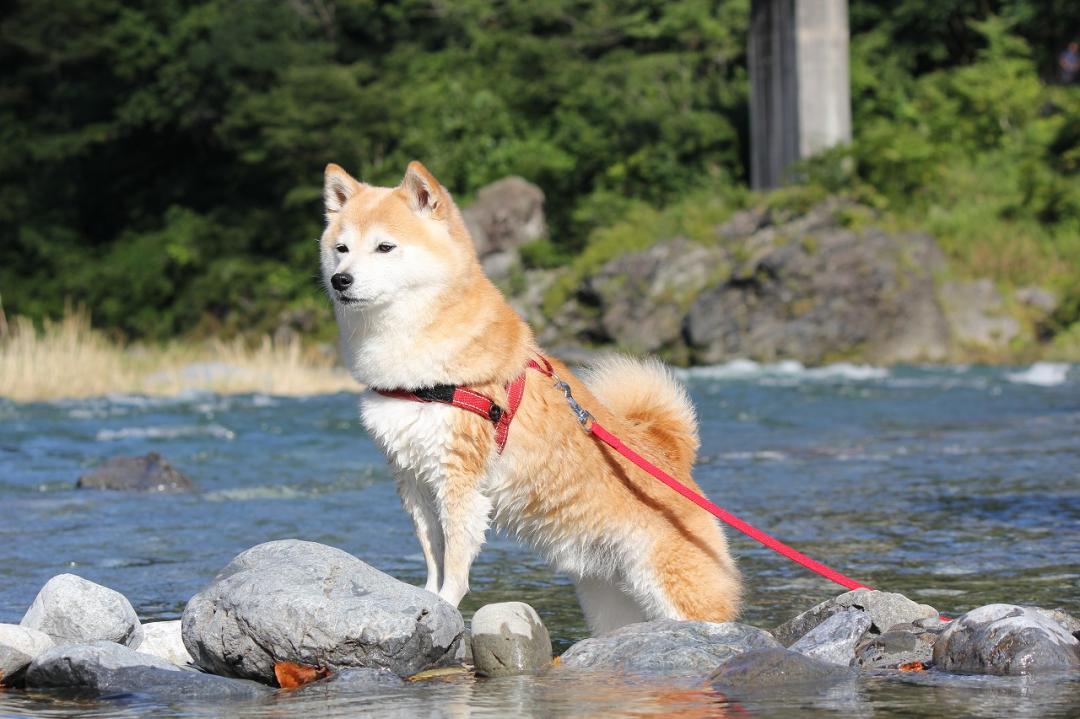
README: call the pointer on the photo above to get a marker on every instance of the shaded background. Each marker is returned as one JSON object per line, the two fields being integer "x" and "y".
{"x": 160, "y": 162}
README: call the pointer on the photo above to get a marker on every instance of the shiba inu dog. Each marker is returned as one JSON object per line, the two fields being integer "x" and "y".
{"x": 418, "y": 319}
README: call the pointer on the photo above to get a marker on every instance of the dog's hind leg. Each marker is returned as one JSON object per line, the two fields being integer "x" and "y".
{"x": 606, "y": 606}
{"x": 419, "y": 502}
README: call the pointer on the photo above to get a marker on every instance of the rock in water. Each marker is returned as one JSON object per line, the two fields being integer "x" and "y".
{"x": 165, "y": 640}
{"x": 1005, "y": 639}
{"x": 108, "y": 668}
{"x": 18, "y": 647}
{"x": 72, "y": 610}
{"x": 766, "y": 668}
{"x": 150, "y": 473}
{"x": 896, "y": 647}
{"x": 667, "y": 646}
{"x": 310, "y": 604}
{"x": 884, "y": 609}
{"x": 509, "y": 638}
{"x": 834, "y": 640}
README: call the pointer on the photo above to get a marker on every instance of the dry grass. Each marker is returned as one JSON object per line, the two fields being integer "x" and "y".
{"x": 69, "y": 359}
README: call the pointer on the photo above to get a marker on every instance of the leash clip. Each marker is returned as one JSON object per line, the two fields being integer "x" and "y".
{"x": 583, "y": 417}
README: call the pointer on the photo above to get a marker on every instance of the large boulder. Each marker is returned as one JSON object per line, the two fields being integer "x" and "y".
{"x": 667, "y": 646}
{"x": 812, "y": 290}
{"x": 18, "y": 647}
{"x": 149, "y": 473}
{"x": 314, "y": 605}
{"x": 109, "y": 668}
{"x": 1005, "y": 639}
{"x": 506, "y": 214}
{"x": 643, "y": 296}
{"x": 977, "y": 315}
{"x": 884, "y": 609}
{"x": 73, "y": 610}
{"x": 509, "y": 638}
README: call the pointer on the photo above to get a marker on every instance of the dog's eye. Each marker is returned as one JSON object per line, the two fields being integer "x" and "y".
{"x": 342, "y": 248}
{"x": 384, "y": 247}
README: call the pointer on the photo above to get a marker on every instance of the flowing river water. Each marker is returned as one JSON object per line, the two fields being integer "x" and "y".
{"x": 957, "y": 486}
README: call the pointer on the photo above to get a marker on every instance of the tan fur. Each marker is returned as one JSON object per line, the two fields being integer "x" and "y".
{"x": 593, "y": 512}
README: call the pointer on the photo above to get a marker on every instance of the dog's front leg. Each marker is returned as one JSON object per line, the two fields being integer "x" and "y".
{"x": 464, "y": 512}
{"x": 419, "y": 502}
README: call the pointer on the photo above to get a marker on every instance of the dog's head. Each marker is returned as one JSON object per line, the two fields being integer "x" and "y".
{"x": 382, "y": 244}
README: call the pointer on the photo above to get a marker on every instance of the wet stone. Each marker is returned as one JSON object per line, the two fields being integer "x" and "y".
{"x": 361, "y": 681}
{"x": 884, "y": 609}
{"x": 164, "y": 639}
{"x": 106, "y": 668}
{"x": 509, "y": 638}
{"x": 834, "y": 640}
{"x": 894, "y": 648}
{"x": 148, "y": 473}
{"x": 73, "y": 610}
{"x": 18, "y": 647}
{"x": 760, "y": 669}
{"x": 1005, "y": 639}
{"x": 667, "y": 646}
{"x": 314, "y": 605}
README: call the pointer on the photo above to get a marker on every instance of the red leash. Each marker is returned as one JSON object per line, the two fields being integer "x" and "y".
{"x": 589, "y": 424}
{"x": 598, "y": 430}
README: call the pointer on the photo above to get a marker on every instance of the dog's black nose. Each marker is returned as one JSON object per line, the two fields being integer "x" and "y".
{"x": 341, "y": 281}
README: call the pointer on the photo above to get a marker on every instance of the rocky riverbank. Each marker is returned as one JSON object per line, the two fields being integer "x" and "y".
{"x": 832, "y": 282}
{"x": 290, "y": 614}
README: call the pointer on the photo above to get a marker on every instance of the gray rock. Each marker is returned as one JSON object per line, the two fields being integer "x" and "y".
{"x": 362, "y": 681}
{"x": 149, "y": 473}
{"x": 812, "y": 290}
{"x": 165, "y": 640}
{"x": 1067, "y": 621}
{"x": 1005, "y": 639}
{"x": 884, "y": 609}
{"x": 643, "y": 296}
{"x": 18, "y": 647}
{"x": 667, "y": 646}
{"x": 108, "y": 668}
{"x": 73, "y": 610}
{"x": 506, "y": 214}
{"x": 976, "y": 314}
{"x": 509, "y": 638}
{"x": 896, "y": 647}
{"x": 1040, "y": 298}
{"x": 315, "y": 605}
{"x": 834, "y": 640}
{"x": 760, "y": 669}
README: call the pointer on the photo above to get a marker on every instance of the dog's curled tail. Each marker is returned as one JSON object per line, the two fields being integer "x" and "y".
{"x": 647, "y": 395}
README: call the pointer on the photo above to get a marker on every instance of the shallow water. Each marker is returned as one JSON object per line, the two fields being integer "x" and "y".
{"x": 956, "y": 486}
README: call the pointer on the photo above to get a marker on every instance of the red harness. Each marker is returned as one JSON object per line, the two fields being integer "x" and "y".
{"x": 476, "y": 402}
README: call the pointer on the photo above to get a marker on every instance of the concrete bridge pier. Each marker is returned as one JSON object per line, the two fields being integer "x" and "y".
{"x": 800, "y": 95}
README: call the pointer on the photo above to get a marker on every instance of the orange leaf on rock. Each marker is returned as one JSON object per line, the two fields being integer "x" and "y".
{"x": 291, "y": 675}
{"x": 913, "y": 667}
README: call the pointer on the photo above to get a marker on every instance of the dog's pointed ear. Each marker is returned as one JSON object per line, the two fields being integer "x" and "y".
{"x": 338, "y": 187}
{"x": 425, "y": 195}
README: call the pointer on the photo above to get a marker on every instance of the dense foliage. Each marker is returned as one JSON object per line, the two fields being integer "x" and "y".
{"x": 160, "y": 161}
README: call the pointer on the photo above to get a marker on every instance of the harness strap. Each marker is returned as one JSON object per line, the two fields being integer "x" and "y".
{"x": 469, "y": 399}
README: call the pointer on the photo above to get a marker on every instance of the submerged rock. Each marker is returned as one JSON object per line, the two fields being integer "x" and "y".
{"x": 667, "y": 646}
{"x": 1005, "y": 639}
{"x": 165, "y": 640}
{"x": 149, "y": 473}
{"x": 18, "y": 647}
{"x": 108, "y": 668}
{"x": 773, "y": 667}
{"x": 310, "y": 604}
{"x": 509, "y": 638}
{"x": 884, "y": 609}
{"x": 361, "y": 681}
{"x": 834, "y": 640}
{"x": 73, "y": 610}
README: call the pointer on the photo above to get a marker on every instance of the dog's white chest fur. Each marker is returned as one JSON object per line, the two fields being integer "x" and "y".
{"x": 413, "y": 435}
